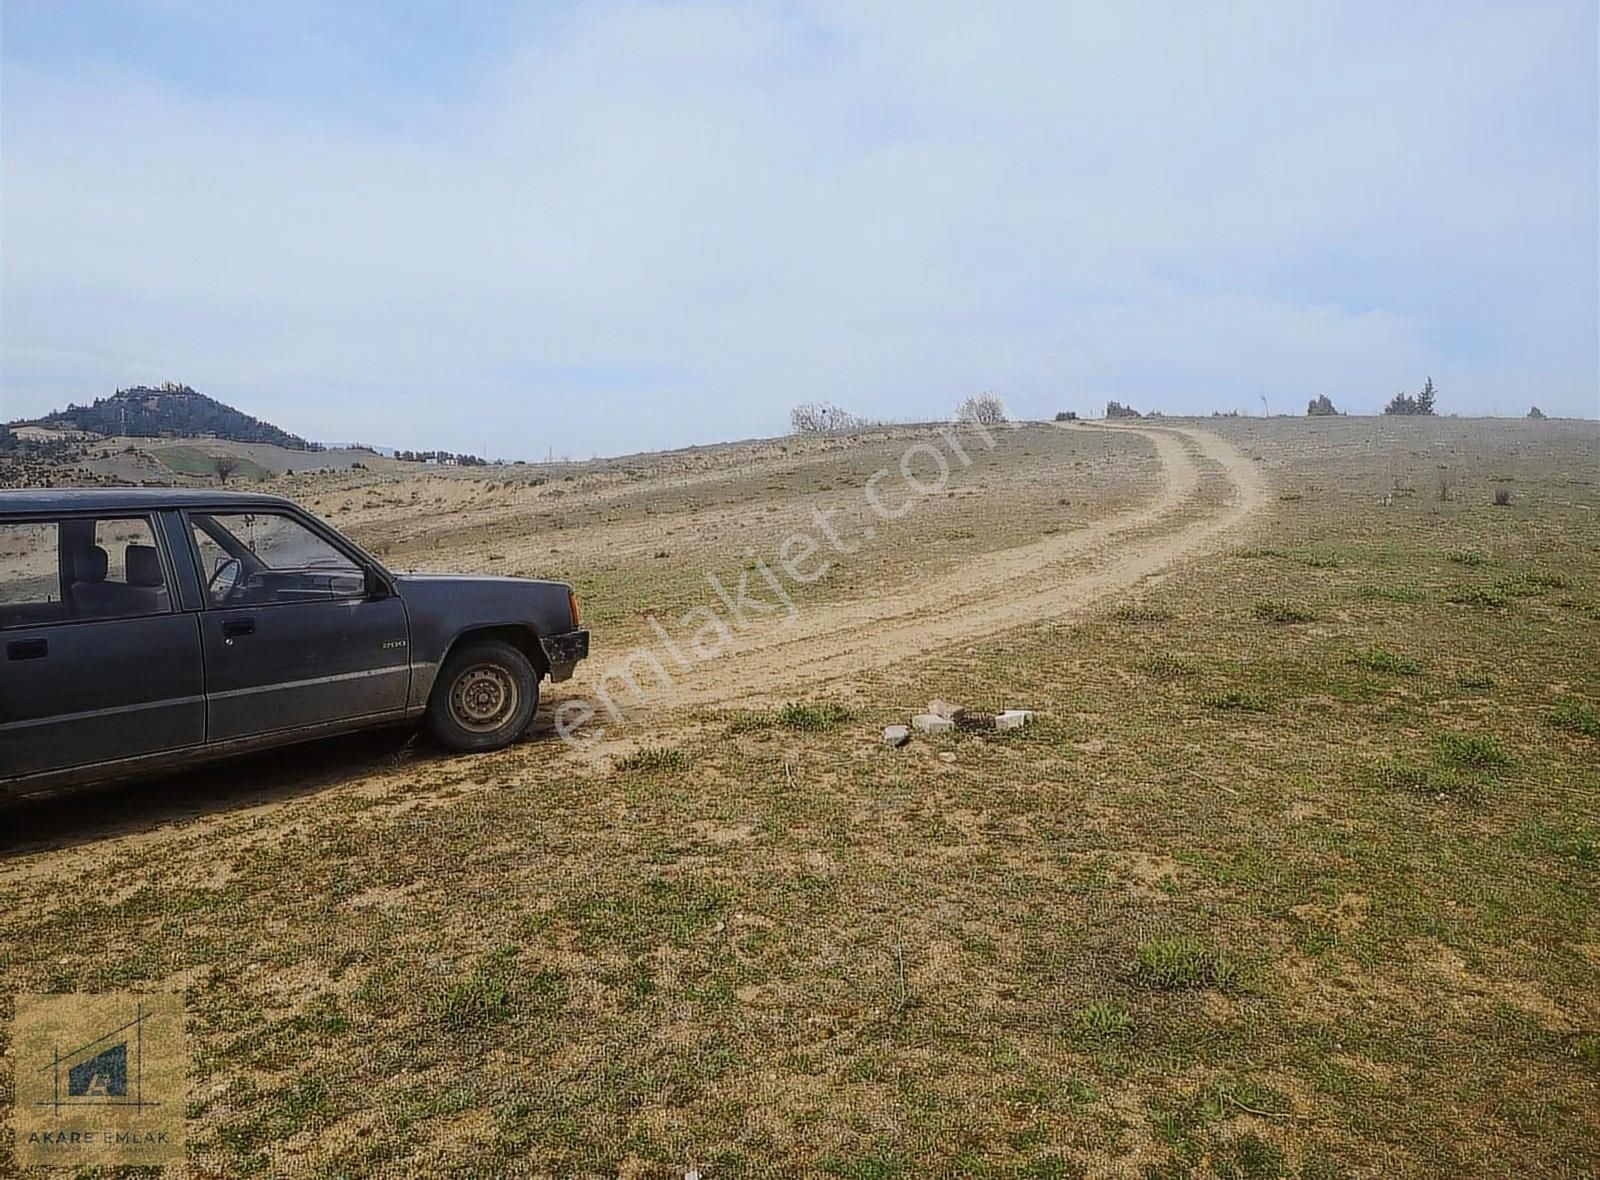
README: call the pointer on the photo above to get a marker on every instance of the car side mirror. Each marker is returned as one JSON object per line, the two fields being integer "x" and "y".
{"x": 376, "y": 587}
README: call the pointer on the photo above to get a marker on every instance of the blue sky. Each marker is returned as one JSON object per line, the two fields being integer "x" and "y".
{"x": 600, "y": 228}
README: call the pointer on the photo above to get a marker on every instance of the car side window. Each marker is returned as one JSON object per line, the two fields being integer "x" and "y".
{"x": 30, "y": 574}
{"x": 114, "y": 568}
{"x": 263, "y": 558}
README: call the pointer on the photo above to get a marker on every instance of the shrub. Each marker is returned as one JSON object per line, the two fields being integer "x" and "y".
{"x": 1118, "y": 410}
{"x": 986, "y": 409}
{"x": 820, "y": 418}
{"x": 1182, "y": 962}
{"x": 1502, "y": 497}
{"x": 1320, "y": 407}
{"x": 1278, "y": 611}
{"x": 1472, "y": 557}
{"x": 1535, "y": 412}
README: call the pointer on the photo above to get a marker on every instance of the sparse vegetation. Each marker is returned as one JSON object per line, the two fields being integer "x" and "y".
{"x": 1380, "y": 659}
{"x": 1105, "y": 1018}
{"x": 653, "y": 760}
{"x": 1274, "y": 610}
{"x": 812, "y": 718}
{"x": 1421, "y": 404}
{"x": 986, "y": 409}
{"x": 1181, "y": 962}
{"x": 821, "y": 418}
{"x": 1147, "y": 935}
{"x": 1238, "y": 700}
{"x": 1576, "y": 717}
{"x": 1138, "y": 612}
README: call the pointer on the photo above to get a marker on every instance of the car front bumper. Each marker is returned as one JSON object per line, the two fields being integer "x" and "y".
{"x": 562, "y": 652}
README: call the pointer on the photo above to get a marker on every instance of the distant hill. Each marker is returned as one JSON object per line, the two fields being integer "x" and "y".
{"x": 169, "y": 411}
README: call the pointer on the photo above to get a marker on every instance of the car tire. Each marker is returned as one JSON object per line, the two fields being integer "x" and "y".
{"x": 485, "y": 697}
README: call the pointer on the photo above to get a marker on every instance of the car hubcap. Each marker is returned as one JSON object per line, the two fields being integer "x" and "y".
{"x": 483, "y": 698}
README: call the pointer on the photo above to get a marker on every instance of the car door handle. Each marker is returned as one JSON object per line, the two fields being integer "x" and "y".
{"x": 27, "y": 649}
{"x": 234, "y": 628}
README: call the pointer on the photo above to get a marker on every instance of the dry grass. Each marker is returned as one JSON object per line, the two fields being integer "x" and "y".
{"x": 1152, "y": 933}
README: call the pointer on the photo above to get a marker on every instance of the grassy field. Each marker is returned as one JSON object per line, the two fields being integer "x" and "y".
{"x": 1294, "y": 875}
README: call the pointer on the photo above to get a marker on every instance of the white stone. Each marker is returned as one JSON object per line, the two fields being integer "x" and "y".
{"x": 896, "y": 736}
{"x": 945, "y": 709}
{"x": 1013, "y": 719}
{"x": 932, "y": 723}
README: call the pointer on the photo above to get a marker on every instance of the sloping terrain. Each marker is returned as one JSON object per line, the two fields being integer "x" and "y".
{"x": 1294, "y": 874}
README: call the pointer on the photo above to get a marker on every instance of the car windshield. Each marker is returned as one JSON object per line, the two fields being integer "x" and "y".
{"x": 263, "y": 557}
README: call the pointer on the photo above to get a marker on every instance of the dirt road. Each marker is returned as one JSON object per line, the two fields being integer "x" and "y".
{"x": 1207, "y": 488}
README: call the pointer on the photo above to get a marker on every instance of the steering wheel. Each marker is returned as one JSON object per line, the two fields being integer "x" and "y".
{"x": 224, "y": 580}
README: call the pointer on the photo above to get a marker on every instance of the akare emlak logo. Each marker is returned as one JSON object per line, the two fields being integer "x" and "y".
{"x": 100, "y": 1079}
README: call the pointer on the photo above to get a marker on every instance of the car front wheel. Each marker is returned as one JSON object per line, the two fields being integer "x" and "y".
{"x": 485, "y": 697}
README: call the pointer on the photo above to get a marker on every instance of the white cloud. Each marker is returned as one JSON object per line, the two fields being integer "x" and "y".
{"x": 665, "y": 223}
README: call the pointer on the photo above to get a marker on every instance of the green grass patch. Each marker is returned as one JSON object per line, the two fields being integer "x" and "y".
{"x": 1104, "y": 1018}
{"x": 1379, "y": 659}
{"x": 1468, "y": 557}
{"x": 1575, "y": 717}
{"x": 1181, "y": 962}
{"x": 1470, "y": 751}
{"x": 1477, "y": 596}
{"x": 195, "y": 462}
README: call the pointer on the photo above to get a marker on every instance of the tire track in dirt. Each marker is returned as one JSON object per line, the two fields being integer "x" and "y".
{"x": 1057, "y": 578}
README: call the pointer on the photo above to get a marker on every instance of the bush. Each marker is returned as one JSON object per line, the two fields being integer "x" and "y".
{"x": 1320, "y": 407}
{"x": 1118, "y": 410}
{"x": 985, "y": 409}
{"x": 820, "y": 418}
{"x": 1502, "y": 497}
{"x": 1535, "y": 412}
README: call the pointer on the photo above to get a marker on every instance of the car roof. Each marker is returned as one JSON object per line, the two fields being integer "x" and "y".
{"x": 31, "y": 501}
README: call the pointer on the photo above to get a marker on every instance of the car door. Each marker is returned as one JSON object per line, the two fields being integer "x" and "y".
{"x": 97, "y": 664}
{"x": 296, "y": 634}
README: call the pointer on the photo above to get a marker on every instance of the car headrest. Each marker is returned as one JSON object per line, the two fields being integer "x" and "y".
{"x": 89, "y": 565}
{"x": 143, "y": 564}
